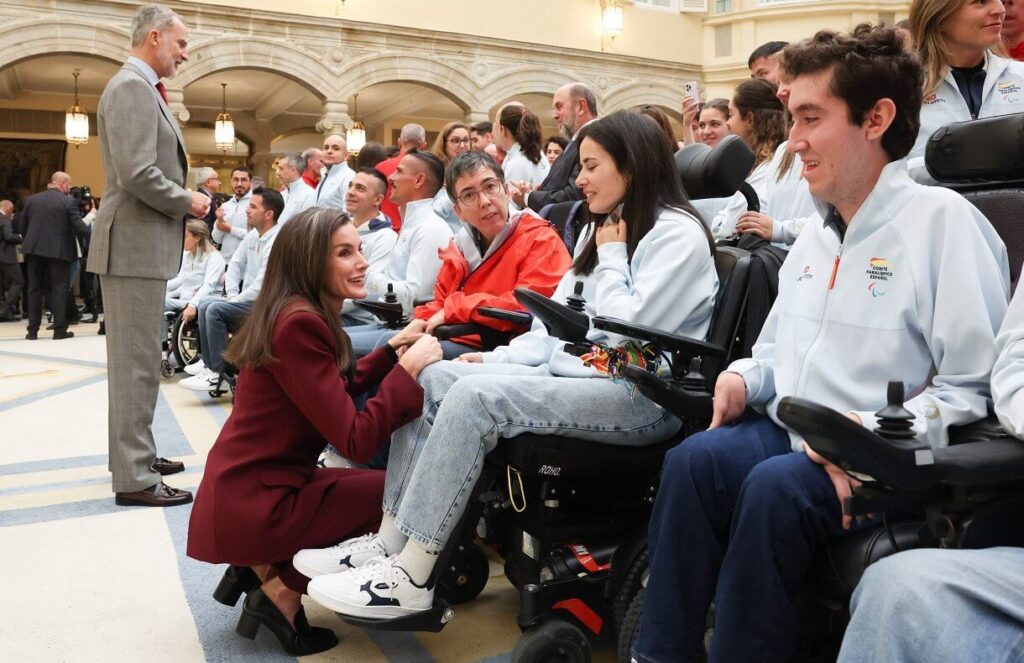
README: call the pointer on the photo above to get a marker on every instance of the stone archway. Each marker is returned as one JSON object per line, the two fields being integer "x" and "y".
{"x": 638, "y": 94}
{"x": 442, "y": 77}
{"x": 37, "y": 37}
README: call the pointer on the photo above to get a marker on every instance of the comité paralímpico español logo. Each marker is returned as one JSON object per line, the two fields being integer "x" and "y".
{"x": 878, "y": 272}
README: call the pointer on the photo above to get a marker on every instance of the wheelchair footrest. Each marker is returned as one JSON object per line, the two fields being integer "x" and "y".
{"x": 431, "y": 621}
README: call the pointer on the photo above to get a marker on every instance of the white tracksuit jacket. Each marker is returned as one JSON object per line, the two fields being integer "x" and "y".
{"x": 915, "y": 292}
{"x": 1008, "y": 373}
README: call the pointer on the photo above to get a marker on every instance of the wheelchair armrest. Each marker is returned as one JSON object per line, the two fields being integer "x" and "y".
{"x": 664, "y": 340}
{"x": 561, "y": 321}
{"x": 686, "y": 404}
{"x": 489, "y": 338}
{"x": 991, "y": 462}
{"x": 386, "y": 311}
{"x": 519, "y": 318}
{"x": 903, "y": 464}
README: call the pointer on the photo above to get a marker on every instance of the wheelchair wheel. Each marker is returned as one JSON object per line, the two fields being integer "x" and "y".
{"x": 166, "y": 369}
{"x": 554, "y": 641}
{"x": 466, "y": 575}
{"x": 630, "y": 626}
{"x": 185, "y": 342}
{"x": 632, "y": 582}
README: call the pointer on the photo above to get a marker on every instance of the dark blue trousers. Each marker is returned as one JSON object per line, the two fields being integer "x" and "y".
{"x": 737, "y": 520}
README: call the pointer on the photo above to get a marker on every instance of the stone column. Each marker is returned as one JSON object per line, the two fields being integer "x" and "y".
{"x": 335, "y": 119}
{"x": 261, "y": 162}
{"x": 474, "y": 116}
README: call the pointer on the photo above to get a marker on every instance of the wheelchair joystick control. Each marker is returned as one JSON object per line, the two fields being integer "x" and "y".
{"x": 895, "y": 422}
{"x": 390, "y": 297}
{"x": 575, "y": 301}
{"x": 694, "y": 380}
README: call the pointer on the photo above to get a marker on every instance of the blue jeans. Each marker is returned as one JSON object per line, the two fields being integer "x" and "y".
{"x": 216, "y": 318}
{"x": 737, "y": 520}
{"x": 939, "y": 605}
{"x": 366, "y": 338}
{"x": 436, "y": 459}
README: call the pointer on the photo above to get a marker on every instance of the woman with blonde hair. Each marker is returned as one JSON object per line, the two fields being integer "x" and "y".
{"x": 202, "y": 267}
{"x": 965, "y": 77}
{"x": 451, "y": 142}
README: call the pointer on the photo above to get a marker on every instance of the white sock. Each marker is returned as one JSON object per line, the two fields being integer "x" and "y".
{"x": 417, "y": 562}
{"x": 392, "y": 537}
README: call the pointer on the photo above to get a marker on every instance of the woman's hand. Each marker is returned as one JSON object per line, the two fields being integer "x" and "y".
{"x": 412, "y": 332}
{"x": 690, "y": 108}
{"x": 424, "y": 352}
{"x": 611, "y": 232}
{"x": 471, "y": 358}
{"x": 755, "y": 223}
{"x": 188, "y": 314}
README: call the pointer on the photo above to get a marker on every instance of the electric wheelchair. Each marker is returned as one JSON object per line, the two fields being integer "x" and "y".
{"x": 569, "y": 516}
{"x": 968, "y": 495}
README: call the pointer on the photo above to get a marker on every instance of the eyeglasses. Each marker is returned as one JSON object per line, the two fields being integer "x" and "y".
{"x": 459, "y": 141}
{"x": 491, "y": 188}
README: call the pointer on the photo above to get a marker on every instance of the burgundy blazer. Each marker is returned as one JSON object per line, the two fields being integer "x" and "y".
{"x": 261, "y": 490}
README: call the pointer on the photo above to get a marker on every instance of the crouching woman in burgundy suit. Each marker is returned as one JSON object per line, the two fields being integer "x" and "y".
{"x": 262, "y": 498}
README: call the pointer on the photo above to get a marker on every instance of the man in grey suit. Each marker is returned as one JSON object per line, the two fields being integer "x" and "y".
{"x": 51, "y": 221}
{"x": 137, "y": 246}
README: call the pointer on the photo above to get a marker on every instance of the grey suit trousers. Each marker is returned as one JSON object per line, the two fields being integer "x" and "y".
{"x": 133, "y": 310}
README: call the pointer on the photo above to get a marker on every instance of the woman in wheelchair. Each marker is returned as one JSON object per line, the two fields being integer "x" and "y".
{"x": 201, "y": 270}
{"x": 262, "y": 497}
{"x": 653, "y": 266}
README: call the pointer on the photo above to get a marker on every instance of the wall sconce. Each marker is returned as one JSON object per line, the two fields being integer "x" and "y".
{"x": 224, "y": 127}
{"x": 76, "y": 120}
{"x": 611, "y": 18}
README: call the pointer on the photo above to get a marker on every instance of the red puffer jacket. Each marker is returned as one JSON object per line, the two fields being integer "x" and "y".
{"x": 532, "y": 256}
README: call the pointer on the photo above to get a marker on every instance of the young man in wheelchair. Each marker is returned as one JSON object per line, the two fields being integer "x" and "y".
{"x": 950, "y": 605}
{"x": 900, "y": 282}
{"x": 218, "y": 316}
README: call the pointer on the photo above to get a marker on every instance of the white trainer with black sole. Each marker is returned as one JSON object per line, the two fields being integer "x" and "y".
{"x": 208, "y": 381}
{"x": 379, "y": 589}
{"x": 197, "y": 368}
{"x": 345, "y": 556}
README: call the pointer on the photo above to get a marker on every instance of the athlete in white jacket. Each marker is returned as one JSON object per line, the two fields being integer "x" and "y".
{"x": 1008, "y": 373}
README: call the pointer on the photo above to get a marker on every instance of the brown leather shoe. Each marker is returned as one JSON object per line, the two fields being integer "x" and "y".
{"x": 157, "y": 495}
{"x": 165, "y": 466}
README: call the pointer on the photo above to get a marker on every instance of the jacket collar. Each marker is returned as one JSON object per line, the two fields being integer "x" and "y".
{"x": 879, "y": 207}
{"x": 994, "y": 68}
{"x": 380, "y": 222}
{"x": 416, "y": 211}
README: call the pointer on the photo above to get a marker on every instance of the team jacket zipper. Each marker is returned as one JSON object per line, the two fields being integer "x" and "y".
{"x": 825, "y": 320}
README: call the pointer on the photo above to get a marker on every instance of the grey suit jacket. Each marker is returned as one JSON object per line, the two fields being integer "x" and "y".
{"x": 140, "y": 226}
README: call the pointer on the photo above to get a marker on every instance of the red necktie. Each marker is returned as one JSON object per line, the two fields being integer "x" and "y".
{"x": 162, "y": 89}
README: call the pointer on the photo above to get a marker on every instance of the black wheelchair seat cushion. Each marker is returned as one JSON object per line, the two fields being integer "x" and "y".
{"x": 555, "y": 457}
{"x": 840, "y": 565}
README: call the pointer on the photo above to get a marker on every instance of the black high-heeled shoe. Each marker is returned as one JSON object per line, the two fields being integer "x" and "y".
{"x": 237, "y": 580}
{"x": 258, "y": 610}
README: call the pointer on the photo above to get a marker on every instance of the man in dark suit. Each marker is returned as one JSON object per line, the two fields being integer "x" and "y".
{"x": 10, "y": 273}
{"x": 573, "y": 106}
{"x": 51, "y": 221}
{"x": 208, "y": 184}
{"x": 137, "y": 245}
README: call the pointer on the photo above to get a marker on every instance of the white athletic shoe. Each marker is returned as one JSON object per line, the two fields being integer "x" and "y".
{"x": 197, "y": 368}
{"x": 379, "y": 589}
{"x": 206, "y": 382}
{"x": 331, "y": 458}
{"x": 345, "y": 556}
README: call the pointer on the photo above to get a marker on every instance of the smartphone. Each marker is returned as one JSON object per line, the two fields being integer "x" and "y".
{"x": 693, "y": 91}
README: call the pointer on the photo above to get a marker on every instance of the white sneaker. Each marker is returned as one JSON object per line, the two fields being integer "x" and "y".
{"x": 197, "y": 368}
{"x": 379, "y": 589}
{"x": 206, "y": 382}
{"x": 345, "y": 556}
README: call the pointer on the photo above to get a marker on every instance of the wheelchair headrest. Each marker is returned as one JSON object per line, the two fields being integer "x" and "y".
{"x": 714, "y": 172}
{"x": 990, "y": 150}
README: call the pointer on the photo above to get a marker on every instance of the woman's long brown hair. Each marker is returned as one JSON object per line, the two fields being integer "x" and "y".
{"x": 296, "y": 273}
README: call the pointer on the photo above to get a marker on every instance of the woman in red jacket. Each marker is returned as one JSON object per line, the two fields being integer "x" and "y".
{"x": 262, "y": 497}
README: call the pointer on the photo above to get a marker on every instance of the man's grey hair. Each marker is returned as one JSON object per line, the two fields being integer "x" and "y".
{"x": 152, "y": 17}
{"x": 297, "y": 161}
{"x": 581, "y": 91}
{"x": 204, "y": 175}
{"x": 468, "y": 163}
{"x": 308, "y": 154}
{"x": 413, "y": 135}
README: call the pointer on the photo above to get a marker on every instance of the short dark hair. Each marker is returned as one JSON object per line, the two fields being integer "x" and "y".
{"x": 481, "y": 128}
{"x": 272, "y": 200}
{"x": 468, "y": 163}
{"x": 382, "y": 182}
{"x": 867, "y": 65}
{"x": 434, "y": 168}
{"x": 371, "y": 154}
{"x": 557, "y": 140}
{"x": 765, "y": 51}
{"x": 243, "y": 169}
